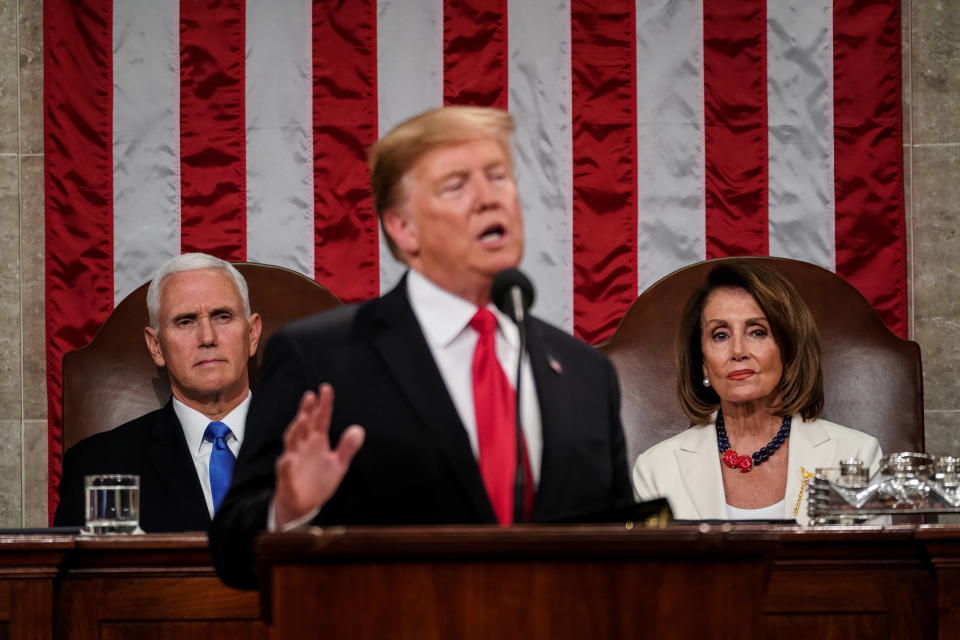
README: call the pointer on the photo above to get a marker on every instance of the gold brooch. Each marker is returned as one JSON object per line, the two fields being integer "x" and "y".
{"x": 803, "y": 487}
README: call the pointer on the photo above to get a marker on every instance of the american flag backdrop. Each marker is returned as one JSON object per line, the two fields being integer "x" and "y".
{"x": 651, "y": 134}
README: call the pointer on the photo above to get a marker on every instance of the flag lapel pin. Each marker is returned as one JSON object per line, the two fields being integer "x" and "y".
{"x": 554, "y": 364}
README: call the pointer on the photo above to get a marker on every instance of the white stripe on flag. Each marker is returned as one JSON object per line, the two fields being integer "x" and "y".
{"x": 540, "y": 100}
{"x": 670, "y": 146}
{"x": 146, "y": 140}
{"x": 409, "y": 79}
{"x": 279, "y": 132}
{"x": 800, "y": 130}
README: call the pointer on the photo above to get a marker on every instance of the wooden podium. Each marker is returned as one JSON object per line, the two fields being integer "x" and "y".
{"x": 523, "y": 582}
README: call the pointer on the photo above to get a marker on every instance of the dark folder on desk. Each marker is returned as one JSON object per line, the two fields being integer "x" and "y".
{"x": 651, "y": 512}
{"x": 24, "y": 531}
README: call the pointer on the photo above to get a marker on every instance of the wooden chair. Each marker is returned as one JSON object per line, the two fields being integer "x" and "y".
{"x": 873, "y": 379}
{"x": 113, "y": 380}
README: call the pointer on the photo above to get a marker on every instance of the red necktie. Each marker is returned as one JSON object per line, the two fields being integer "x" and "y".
{"x": 493, "y": 402}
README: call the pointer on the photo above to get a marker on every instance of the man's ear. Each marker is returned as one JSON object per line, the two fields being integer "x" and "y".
{"x": 153, "y": 345}
{"x": 401, "y": 228}
{"x": 256, "y": 326}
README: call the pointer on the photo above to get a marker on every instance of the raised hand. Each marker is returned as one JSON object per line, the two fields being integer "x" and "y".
{"x": 309, "y": 471}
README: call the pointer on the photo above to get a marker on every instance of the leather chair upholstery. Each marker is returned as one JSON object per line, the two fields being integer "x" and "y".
{"x": 872, "y": 379}
{"x": 113, "y": 380}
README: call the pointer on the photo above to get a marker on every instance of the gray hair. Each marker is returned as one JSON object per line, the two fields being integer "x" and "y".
{"x": 191, "y": 262}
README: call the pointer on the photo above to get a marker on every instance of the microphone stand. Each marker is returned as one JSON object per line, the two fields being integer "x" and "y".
{"x": 520, "y": 477}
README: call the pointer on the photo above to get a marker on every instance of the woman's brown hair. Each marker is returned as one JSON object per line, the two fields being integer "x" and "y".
{"x": 791, "y": 324}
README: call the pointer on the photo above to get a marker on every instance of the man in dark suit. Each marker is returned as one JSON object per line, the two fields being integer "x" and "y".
{"x": 202, "y": 331}
{"x": 428, "y": 370}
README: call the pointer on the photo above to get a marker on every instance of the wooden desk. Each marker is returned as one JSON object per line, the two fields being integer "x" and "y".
{"x": 852, "y": 583}
{"x": 942, "y": 544}
{"x": 150, "y": 587}
{"x": 28, "y": 568}
{"x": 895, "y": 582}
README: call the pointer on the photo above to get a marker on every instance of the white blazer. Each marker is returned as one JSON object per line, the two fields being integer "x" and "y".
{"x": 685, "y": 469}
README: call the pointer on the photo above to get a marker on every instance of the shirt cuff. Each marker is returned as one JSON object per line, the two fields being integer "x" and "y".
{"x": 302, "y": 521}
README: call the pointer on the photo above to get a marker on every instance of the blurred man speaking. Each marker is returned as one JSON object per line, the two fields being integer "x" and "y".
{"x": 429, "y": 371}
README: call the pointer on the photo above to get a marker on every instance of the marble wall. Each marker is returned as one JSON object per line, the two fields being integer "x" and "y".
{"x": 931, "y": 94}
{"x": 23, "y": 405}
{"x": 931, "y": 152}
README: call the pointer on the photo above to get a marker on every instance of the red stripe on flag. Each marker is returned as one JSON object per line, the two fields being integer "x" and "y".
{"x": 347, "y": 253}
{"x": 78, "y": 185}
{"x": 735, "y": 127}
{"x": 212, "y": 137}
{"x": 603, "y": 53}
{"x": 870, "y": 226}
{"x": 475, "y": 52}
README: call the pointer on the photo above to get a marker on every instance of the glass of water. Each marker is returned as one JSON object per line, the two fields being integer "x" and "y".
{"x": 112, "y": 504}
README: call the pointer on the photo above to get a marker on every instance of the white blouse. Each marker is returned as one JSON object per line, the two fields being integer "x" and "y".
{"x": 773, "y": 512}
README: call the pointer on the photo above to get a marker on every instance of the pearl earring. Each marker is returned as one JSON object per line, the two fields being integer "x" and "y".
{"x": 706, "y": 381}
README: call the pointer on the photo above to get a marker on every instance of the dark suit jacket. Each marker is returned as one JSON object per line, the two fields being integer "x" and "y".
{"x": 416, "y": 465}
{"x": 153, "y": 447}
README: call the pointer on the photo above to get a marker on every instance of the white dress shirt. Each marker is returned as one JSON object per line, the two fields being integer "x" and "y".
{"x": 194, "y": 424}
{"x": 445, "y": 321}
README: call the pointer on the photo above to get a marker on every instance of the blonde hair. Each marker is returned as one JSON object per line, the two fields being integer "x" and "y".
{"x": 399, "y": 150}
{"x": 791, "y": 325}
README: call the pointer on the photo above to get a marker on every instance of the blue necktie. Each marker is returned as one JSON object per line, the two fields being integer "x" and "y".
{"x": 221, "y": 461}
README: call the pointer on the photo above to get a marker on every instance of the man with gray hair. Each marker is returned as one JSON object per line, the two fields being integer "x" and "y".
{"x": 203, "y": 333}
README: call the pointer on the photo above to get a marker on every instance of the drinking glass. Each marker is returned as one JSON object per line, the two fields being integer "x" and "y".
{"x": 112, "y": 504}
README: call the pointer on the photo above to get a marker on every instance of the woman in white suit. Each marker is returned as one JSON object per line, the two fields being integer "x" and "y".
{"x": 750, "y": 380}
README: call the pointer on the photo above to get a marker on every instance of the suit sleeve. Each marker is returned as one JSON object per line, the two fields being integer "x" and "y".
{"x": 243, "y": 514}
{"x": 620, "y": 483}
{"x": 70, "y": 508}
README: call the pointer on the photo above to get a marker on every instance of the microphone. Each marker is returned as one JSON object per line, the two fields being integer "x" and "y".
{"x": 512, "y": 292}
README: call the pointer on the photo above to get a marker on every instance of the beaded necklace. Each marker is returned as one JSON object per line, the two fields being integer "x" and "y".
{"x": 744, "y": 463}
